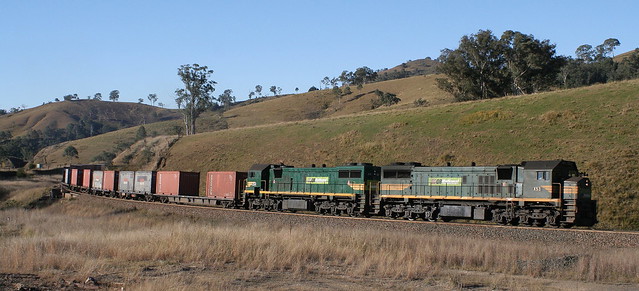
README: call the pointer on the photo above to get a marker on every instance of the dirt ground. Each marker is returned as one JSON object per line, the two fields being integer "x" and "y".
{"x": 201, "y": 278}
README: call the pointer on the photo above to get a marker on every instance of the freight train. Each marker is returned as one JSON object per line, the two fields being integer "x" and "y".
{"x": 536, "y": 193}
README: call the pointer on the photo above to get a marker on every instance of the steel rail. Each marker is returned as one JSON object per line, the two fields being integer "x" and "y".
{"x": 377, "y": 219}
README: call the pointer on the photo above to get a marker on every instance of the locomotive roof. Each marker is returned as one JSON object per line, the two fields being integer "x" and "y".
{"x": 260, "y": 167}
{"x": 543, "y": 165}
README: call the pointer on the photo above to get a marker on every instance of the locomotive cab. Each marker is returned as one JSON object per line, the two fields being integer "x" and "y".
{"x": 259, "y": 176}
{"x": 544, "y": 179}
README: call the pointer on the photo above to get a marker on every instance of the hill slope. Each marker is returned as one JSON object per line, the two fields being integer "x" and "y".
{"x": 59, "y": 115}
{"x": 594, "y": 126}
{"x": 425, "y": 66}
{"x": 323, "y": 103}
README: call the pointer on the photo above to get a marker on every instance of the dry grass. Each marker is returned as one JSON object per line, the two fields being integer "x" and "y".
{"x": 22, "y": 192}
{"x": 88, "y": 240}
{"x": 158, "y": 146}
{"x": 484, "y": 116}
{"x": 60, "y": 114}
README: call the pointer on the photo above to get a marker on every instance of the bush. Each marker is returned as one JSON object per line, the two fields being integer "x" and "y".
{"x": 104, "y": 156}
{"x": 126, "y": 159}
{"x": 147, "y": 155}
{"x": 71, "y": 152}
{"x": 141, "y": 134}
{"x": 122, "y": 145}
{"x": 420, "y": 102}
{"x": 21, "y": 173}
{"x": 384, "y": 98}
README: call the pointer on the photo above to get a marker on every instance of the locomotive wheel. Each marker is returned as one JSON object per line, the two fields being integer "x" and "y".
{"x": 529, "y": 222}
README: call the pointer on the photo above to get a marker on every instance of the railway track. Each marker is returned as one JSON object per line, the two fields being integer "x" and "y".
{"x": 574, "y": 236}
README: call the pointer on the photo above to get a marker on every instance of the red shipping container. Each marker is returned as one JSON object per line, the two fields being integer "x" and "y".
{"x": 225, "y": 185}
{"x": 86, "y": 178}
{"x": 177, "y": 183}
{"x": 76, "y": 177}
{"x": 110, "y": 181}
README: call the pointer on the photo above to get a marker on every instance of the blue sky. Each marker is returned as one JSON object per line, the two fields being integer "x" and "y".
{"x": 52, "y": 48}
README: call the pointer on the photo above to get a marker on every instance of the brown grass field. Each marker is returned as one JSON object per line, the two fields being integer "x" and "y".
{"x": 146, "y": 249}
{"x": 61, "y": 114}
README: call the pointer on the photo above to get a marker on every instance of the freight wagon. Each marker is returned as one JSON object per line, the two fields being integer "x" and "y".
{"x": 552, "y": 193}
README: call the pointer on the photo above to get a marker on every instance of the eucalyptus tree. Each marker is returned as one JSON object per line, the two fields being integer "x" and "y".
{"x": 114, "y": 95}
{"x": 195, "y": 98}
{"x": 152, "y": 98}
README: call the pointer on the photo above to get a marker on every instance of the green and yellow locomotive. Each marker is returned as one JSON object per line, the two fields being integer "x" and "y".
{"x": 533, "y": 193}
{"x": 350, "y": 189}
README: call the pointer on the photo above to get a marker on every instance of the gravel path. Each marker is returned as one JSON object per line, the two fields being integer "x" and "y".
{"x": 571, "y": 237}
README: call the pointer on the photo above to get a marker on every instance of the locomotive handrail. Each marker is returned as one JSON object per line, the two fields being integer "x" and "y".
{"x": 561, "y": 191}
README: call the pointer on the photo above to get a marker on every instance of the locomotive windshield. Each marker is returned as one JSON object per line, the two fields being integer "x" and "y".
{"x": 504, "y": 173}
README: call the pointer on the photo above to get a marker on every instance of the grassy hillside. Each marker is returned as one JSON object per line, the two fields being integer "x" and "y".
{"x": 262, "y": 111}
{"x": 622, "y": 56}
{"x": 594, "y": 126}
{"x": 415, "y": 67}
{"x": 323, "y": 103}
{"x": 88, "y": 148}
{"x": 61, "y": 114}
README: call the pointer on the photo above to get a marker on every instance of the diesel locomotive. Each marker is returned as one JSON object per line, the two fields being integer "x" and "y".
{"x": 540, "y": 193}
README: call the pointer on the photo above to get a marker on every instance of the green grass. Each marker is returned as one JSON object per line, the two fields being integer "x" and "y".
{"x": 594, "y": 126}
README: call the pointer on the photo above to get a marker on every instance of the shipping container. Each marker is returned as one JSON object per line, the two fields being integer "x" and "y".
{"x": 225, "y": 185}
{"x": 110, "y": 181}
{"x": 125, "y": 183}
{"x": 144, "y": 182}
{"x": 86, "y": 178}
{"x": 66, "y": 179}
{"x": 178, "y": 183}
{"x": 76, "y": 177}
{"x": 98, "y": 180}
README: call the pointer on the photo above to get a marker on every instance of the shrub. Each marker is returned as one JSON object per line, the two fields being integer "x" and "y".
{"x": 71, "y": 152}
{"x": 104, "y": 156}
{"x": 420, "y": 102}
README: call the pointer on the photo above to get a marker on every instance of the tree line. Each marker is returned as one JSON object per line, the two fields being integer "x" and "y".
{"x": 484, "y": 66}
